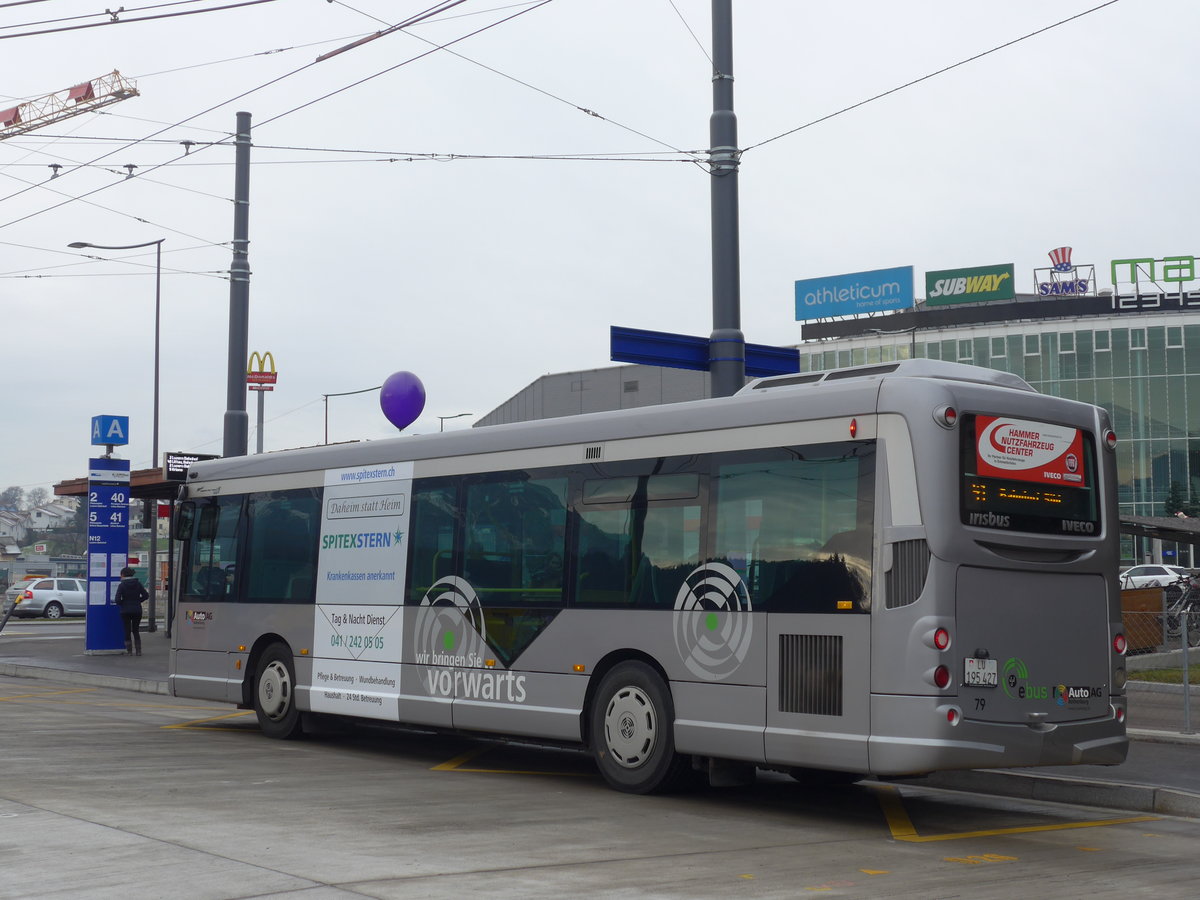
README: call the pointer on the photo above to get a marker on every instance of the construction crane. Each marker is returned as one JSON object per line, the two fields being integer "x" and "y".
{"x": 82, "y": 98}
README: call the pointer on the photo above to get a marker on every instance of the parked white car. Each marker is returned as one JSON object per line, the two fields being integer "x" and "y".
{"x": 52, "y": 598}
{"x": 1152, "y": 576}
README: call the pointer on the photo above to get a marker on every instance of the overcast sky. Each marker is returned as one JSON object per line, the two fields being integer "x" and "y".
{"x": 480, "y": 275}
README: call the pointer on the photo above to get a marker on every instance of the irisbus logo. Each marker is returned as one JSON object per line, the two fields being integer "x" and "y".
{"x": 988, "y": 520}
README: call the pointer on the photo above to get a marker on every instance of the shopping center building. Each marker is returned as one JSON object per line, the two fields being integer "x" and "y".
{"x": 1132, "y": 347}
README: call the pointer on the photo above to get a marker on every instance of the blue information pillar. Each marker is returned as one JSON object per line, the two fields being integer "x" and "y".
{"x": 108, "y": 551}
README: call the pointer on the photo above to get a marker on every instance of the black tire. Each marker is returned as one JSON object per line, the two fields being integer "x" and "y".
{"x": 1193, "y": 627}
{"x": 274, "y": 694}
{"x": 54, "y": 610}
{"x": 632, "y": 722}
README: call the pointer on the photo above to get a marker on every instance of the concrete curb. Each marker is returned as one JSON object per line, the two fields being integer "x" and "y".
{"x": 66, "y": 676}
{"x": 1056, "y": 789}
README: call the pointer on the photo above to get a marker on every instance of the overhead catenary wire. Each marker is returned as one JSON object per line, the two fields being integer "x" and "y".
{"x": 916, "y": 81}
{"x": 116, "y": 21}
{"x": 225, "y": 103}
{"x": 108, "y": 12}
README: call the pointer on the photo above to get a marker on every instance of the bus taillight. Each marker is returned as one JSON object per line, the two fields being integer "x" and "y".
{"x": 1119, "y": 713}
{"x": 946, "y": 416}
{"x": 941, "y": 676}
{"x": 952, "y": 713}
{"x": 1110, "y": 439}
{"x": 941, "y": 639}
{"x": 1119, "y": 644}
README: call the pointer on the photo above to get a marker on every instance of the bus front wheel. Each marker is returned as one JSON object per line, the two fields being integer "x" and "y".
{"x": 632, "y": 723}
{"x": 274, "y": 694}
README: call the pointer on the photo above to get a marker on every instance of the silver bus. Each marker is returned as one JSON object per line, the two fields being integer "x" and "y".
{"x": 882, "y": 570}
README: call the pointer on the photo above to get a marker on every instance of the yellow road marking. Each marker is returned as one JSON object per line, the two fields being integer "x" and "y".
{"x": 47, "y": 694}
{"x": 457, "y": 765}
{"x": 200, "y": 724}
{"x": 902, "y": 828}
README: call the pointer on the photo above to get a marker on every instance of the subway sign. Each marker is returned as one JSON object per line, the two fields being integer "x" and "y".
{"x": 950, "y": 286}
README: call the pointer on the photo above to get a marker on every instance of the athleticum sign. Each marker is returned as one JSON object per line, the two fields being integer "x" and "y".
{"x": 973, "y": 285}
{"x": 858, "y": 292}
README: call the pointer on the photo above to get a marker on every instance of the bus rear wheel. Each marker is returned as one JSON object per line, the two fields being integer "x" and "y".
{"x": 274, "y": 694}
{"x": 632, "y": 731}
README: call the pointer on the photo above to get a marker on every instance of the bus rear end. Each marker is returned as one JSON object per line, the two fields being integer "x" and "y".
{"x": 999, "y": 641}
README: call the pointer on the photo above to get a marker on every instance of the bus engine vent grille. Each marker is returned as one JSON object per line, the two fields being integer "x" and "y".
{"x": 810, "y": 674}
{"x": 906, "y": 579}
{"x": 593, "y": 453}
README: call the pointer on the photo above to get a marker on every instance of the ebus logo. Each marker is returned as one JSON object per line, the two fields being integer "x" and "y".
{"x": 712, "y": 639}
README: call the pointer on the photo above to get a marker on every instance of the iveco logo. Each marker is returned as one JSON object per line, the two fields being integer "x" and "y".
{"x": 1078, "y": 527}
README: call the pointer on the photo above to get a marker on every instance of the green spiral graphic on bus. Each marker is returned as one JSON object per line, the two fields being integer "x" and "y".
{"x": 448, "y": 610}
{"x": 711, "y": 633}
{"x": 1014, "y": 677}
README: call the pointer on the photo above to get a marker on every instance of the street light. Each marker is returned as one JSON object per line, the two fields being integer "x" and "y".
{"x": 157, "y": 245}
{"x": 442, "y": 419}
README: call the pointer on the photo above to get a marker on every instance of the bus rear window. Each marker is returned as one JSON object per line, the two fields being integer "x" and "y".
{"x": 1022, "y": 475}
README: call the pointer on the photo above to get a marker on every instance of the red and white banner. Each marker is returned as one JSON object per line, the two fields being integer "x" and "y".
{"x": 1029, "y": 451}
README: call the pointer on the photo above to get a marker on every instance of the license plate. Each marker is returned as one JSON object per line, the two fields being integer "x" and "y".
{"x": 980, "y": 672}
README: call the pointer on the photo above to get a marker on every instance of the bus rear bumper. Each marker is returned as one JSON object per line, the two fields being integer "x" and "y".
{"x": 912, "y": 735}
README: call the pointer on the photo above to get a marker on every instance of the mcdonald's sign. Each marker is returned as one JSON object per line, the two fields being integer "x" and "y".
{"x": 260, "y": 372}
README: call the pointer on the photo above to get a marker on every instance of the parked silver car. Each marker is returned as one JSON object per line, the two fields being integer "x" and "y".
{"x": 52, "y": 598}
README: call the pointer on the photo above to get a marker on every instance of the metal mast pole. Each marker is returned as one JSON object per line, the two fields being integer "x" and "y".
{"x": 237, "y": 430}
{"x": 259, "y": 440}
{"x": 155, "y": 460}
{"x": 727, "y": 344}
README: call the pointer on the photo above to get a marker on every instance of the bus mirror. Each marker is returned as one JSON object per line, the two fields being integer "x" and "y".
{"x": 181, "y": 523}
{"x": 209, "y": 516}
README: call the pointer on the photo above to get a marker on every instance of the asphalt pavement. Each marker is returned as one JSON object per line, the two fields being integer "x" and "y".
{"x": 1161, "y": 774}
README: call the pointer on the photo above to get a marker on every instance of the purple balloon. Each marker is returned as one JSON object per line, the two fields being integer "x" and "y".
{"x": 402, "y": 399}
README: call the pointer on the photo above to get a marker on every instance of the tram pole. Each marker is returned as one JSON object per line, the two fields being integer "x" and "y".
{"x": 237, "y": 424}
{"x": 726, "y": 344}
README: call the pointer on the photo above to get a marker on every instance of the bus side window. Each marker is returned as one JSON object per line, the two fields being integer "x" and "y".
{"x": 431, "y": 541}
{"x": 284, "y": 531}
{"x": 213, "y": 550}
{"x": 515, "y": 540}
{"x": 799, "y": 530}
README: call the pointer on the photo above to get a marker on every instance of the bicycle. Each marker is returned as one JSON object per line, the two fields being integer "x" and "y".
{"x": 1183, "y": 611}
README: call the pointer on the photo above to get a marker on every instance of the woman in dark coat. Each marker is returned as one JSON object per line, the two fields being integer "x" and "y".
{"x": 129, "y": 598}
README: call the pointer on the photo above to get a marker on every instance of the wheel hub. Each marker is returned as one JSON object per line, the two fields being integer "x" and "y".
{"x": 275, "y": 690}
{"x": 630, "y": 727}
